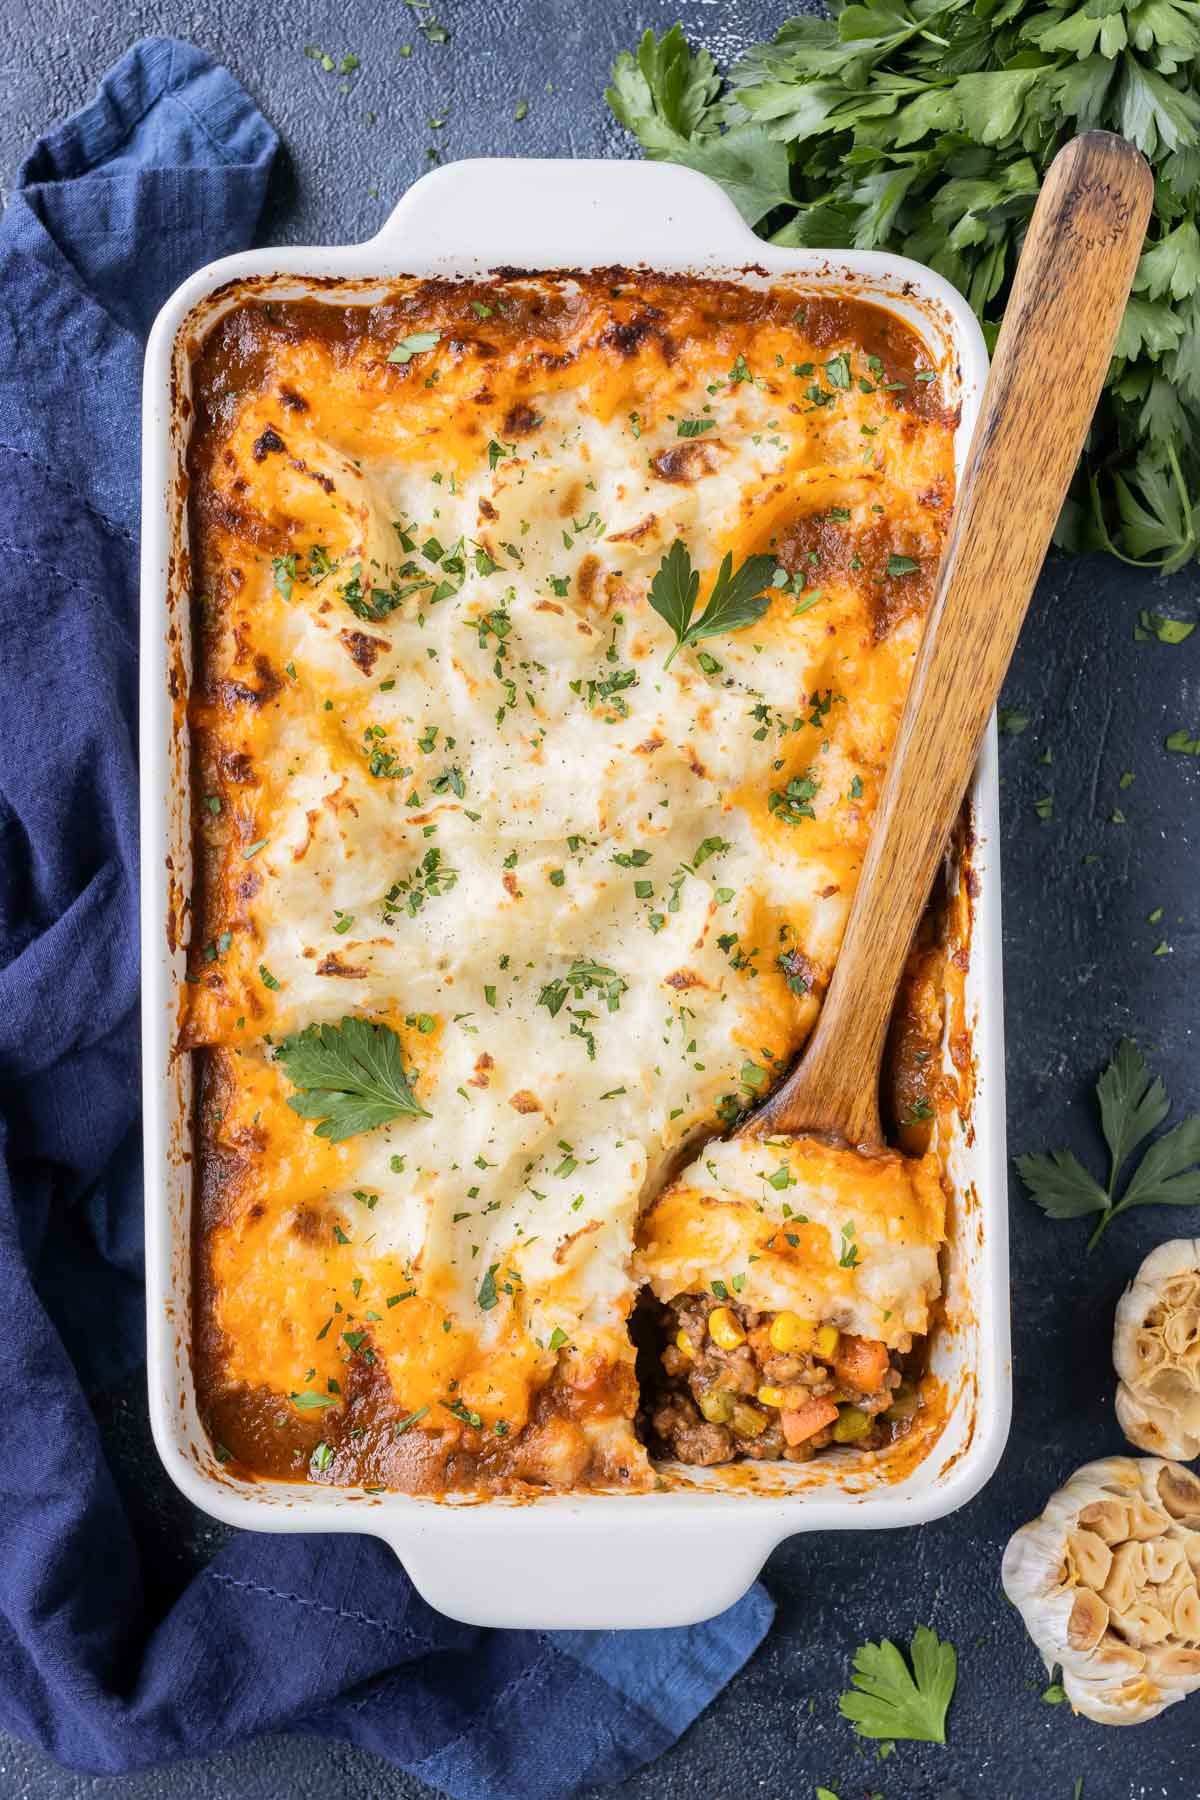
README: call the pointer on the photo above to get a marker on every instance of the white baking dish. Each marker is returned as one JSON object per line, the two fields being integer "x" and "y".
{"x": 669, "y": 1557}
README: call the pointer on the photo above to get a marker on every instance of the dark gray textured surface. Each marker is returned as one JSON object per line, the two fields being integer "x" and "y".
{"x": 1080, "y": 969}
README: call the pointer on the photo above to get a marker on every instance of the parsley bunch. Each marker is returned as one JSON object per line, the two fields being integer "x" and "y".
{"x": 925, "y": 126}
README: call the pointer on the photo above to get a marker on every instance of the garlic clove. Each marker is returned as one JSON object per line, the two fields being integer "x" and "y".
{"x": 1089, "y": 1556}
{"x": 1179, "y": 1491}
{"x": 1144, "y": 1624}
{"x": 1185, "y": 1616}
{"x": 1125, "y": 1579}
{"x": 1088, "y": 1621}
{"x": 1156, "y": 1352}
{"x": 1162, "y": 1560}
{"x": 1109, "y": 1519}
{"x": 1181, "y": 1331}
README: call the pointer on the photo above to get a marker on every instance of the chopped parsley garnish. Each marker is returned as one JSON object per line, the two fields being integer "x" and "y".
{"x": 403, "y": 1425}
{"x": 583, "y": 977}
{"x": 429, "y": 881}
{"x": 462, "y": 1412}
{"x": 450, "y": 781}
{"x": 413, "y": 345}
{"x": 487, "y": 1289}
{"x": 794, "y": 802}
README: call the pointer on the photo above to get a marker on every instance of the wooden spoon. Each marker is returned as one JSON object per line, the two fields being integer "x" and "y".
{"x": 1059, "y": 329}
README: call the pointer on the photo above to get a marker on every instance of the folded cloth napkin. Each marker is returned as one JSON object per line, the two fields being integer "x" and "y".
{"x": 165, "y": 169}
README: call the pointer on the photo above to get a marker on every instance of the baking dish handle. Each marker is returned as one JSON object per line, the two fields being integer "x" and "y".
{"x": 550, "y": 1569}
{"x": 539, "y": 213}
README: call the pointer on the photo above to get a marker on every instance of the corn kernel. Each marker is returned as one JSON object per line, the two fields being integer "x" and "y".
{"x": 683, "y": 1342}
{"x": 827, "y": 1342}
{"x": 717, "y": 1406}
{"x": 850, "y": 1425}
{"x": 770, "y": 1396}
{"x": 789, "y": 1332}
{"x": 724, "y": 1329}
{"x": 747, "y": 1421}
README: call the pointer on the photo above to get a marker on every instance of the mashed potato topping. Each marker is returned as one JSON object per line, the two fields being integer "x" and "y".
{"x": 445, "y": 782}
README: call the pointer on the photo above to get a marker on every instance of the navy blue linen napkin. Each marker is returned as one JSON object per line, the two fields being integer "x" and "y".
{"x": 165, "y": 169}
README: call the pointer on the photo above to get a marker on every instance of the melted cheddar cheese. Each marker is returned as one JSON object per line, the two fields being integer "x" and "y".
{"x": 444, "y": 782}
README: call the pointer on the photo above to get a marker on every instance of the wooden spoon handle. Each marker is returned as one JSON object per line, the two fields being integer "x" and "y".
{"x": 1059, "y": 328}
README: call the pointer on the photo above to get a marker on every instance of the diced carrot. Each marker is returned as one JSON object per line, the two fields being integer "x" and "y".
{"x": 861, "y": 1363}
{"x": 805, "y": 1421}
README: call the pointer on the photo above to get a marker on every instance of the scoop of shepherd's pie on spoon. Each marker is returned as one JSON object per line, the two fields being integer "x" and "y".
{"x": 828, "y": 1261}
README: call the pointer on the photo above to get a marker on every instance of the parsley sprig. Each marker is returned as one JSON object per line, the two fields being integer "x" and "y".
{"x": 889, "y": 1701}
{"x": 737, "y": 598}
{"x": 926, "y": 126}
{"x": 413, "y": 345}
{"x": 351, "y": 1077}
{"x": 1133, "y": 1103}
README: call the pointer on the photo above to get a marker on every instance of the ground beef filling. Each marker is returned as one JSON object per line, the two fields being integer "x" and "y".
{"x": 724, "y": 1388}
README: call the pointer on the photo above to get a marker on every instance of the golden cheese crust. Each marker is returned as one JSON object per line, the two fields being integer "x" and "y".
{"x": 444, "y": 781}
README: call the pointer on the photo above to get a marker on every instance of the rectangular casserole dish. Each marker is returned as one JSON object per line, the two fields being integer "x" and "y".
{"x": 465, "y": 220}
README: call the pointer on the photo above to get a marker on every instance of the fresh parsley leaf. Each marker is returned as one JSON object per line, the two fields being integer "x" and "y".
{"x": 737, "y": 599}
{"x": 668, "y": 96}
{"x": 927, "y": 129}
{"x": 1061, "y": 1185}
{"x": 351, "y": 1077}
{"x": 888, "y": 1701}
{"x": 1133, "y": 1103}
{"x": 413, "y": 345}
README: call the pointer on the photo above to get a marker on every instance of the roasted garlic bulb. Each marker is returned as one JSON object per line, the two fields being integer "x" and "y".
{"x": 1156, "y": 1350}
{"x": 1107, "y": 1583}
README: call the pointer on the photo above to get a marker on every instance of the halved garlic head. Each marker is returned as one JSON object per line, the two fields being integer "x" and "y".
{"x": 1156, "y": 1352}
{"x": 1107, "y": 1581}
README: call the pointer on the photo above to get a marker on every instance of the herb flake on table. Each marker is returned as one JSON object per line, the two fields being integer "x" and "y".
{"x": 1167, "y": 631}
{"x": 1133, "y": 1103}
